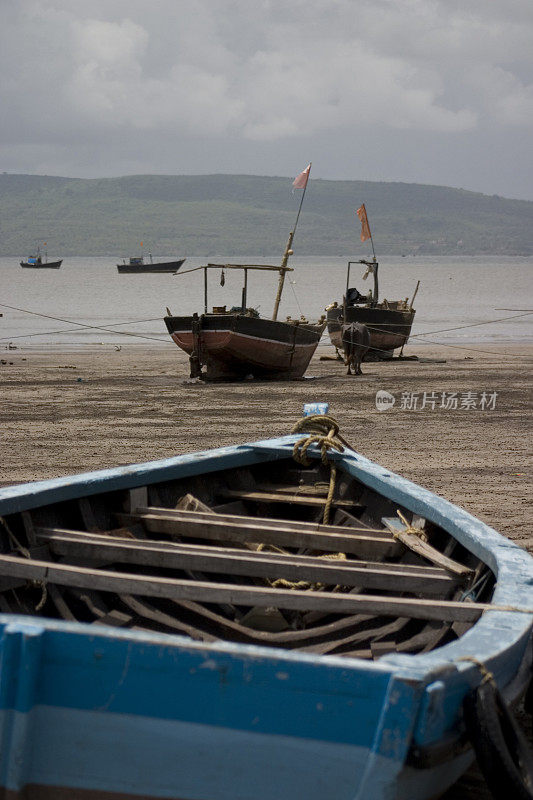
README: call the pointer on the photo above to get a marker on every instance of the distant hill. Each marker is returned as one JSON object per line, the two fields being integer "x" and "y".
{"x": 243, "y": 215}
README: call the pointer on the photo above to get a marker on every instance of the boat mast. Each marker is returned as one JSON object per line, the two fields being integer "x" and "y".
{"x": 375, "y": 265}
{"x": 366, "y": 233}
{"x": 288, "y": 252}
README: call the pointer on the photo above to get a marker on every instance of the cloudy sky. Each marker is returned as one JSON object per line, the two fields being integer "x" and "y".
{"x": 424, "y": 91}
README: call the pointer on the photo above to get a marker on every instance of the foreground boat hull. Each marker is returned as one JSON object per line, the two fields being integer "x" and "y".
{"x": 93, "y": 712}
{"x": 234, "y": 346}
{"x": 389, "y": 329}
{"x": 164, "y": 266}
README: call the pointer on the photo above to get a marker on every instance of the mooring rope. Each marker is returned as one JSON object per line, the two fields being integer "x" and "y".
{"x": 487, "y": 675}
{"x": 422, "y": 535}
{"x": 321, "y": 431}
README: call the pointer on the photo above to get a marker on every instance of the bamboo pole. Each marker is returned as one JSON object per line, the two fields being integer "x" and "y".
{"x": 288, "y": 252}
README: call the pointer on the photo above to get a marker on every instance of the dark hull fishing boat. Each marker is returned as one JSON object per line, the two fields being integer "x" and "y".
{"x": 389, "y": 325}
{"x": 37, "y": 263}
{"x": 193, "y": 628}
{"x": 234, "y": 345}
{"x": 237, "y": 344}
{"x": 389, "y": 322}
{"x": 138, "y": 265}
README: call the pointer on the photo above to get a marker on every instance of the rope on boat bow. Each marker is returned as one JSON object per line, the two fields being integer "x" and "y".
{"x": 321, "y": 431}
{"x": 409, "y": 528}
{"x": 486, "y": 675}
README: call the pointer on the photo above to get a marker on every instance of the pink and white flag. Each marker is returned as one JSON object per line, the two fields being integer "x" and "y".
{"x": 300, "y": 182}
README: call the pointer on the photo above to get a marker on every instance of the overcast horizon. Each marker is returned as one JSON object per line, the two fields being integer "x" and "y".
{"x": 436, "y": 92}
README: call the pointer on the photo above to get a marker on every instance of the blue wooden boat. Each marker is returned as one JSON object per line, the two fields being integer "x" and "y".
{"x": 180, "y": 629}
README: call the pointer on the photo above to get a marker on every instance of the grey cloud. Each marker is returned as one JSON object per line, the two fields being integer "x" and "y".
{"x": 110, "y": 87}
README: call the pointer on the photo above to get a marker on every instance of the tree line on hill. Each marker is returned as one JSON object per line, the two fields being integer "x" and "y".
{"x": 244, "y": 215}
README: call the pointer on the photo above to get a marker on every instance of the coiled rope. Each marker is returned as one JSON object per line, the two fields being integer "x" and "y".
{"x": 321, "y": 431}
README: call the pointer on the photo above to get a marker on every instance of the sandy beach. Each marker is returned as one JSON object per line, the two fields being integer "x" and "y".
{"x": 70, "y": 412}
{"x": 74, "y": 411}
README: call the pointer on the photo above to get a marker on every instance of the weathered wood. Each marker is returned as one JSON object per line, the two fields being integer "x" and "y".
{"x": 137, "y": 497}
{"x": 115, "y": 618}
{"x": 7, "y": 583}
{"x": 28, "y": 526}
{"x": 272, "y": 522}
{"x": 283, "y": 497}
{"x": 60, "y": 603}
{"x": 36, "y": 551}
{"x": 87, "y": 514}
{"x": 115, "y": 536}
{"x": 306, "y": 489}
{"x": 164, "y": 621}
{"x": 250, "y": 529}
{"x": 334, "y": 602}
{"x": 415, "y": 543}
{"x": 379, "y": 649}
{"x": 250, "y": 564}
{"x": 362, "y": 637}
{"x": 191, "y": 503}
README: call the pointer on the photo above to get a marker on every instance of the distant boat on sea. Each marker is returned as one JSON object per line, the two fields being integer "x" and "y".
{"x": 138, "y": 264}
{"x": 37, "y": 262}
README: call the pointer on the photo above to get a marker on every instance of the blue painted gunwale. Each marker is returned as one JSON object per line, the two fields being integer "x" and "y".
{"x": 432, "y": 685}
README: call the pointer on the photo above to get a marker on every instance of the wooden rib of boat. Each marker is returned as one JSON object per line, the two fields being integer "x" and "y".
{"x": 138, "y": 265}
{"x": 189, "y": 628}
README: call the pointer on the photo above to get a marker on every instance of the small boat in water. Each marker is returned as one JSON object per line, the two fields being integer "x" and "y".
{"x": 389, "y": 322}
{"x": 240, "y": 624}
{"x": 39, "y": 262}
{"x": 137, "y": 265}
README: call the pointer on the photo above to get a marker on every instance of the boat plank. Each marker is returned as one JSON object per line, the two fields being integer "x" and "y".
{"x": 257, "y": 564}
{"x": 115, "y": 537}
{"x": 176, "y": 523}
{"x": 415, "y": 543}
{"x": 201, "y": 591}
{"x": 285, "y": 497}
{"x": 269, "y": 522}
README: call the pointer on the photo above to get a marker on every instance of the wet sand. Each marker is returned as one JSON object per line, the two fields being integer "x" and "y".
{"x": 62, "y": 413}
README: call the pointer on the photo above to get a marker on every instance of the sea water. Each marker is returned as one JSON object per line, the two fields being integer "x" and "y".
{"x": 87, "y": 302}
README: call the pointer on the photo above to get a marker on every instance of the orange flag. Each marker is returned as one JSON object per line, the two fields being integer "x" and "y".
{"x": 365, "y": 227}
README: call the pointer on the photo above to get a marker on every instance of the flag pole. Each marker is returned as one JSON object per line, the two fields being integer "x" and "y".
{"x": 288, "y": 252}
{"x": 375, "y": 270}
{"x": 374, "y": 265}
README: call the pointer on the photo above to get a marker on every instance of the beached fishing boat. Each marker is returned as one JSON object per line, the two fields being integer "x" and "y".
{"x": 389, "y": 321}
{"x": 238, "y": 344}
{"x": 240, "y": 624}
{"x": 139, "y": 265}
